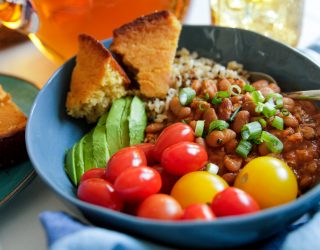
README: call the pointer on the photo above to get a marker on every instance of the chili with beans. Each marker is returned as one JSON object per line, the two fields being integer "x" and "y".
{"x": 300, "y": 121}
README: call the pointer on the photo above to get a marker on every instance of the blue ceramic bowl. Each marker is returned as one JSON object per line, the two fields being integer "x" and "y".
{"x": 50, "y": 132}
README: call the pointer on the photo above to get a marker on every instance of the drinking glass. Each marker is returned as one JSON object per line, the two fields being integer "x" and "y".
{"x": 54, "y": 25}
{"x": 279, "y": 19}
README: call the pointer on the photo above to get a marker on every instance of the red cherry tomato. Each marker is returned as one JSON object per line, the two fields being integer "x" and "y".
{"x": 125, "y": 158}
{"x": 99, "y": 192}
{"x": 168, "y": 180}
{"x": 183, "y": 157}
{"x": 147, "y": 148}
{"x": 94, "y": 173}
{"x": 198, "y": 212}
{"x": 173, "y": 134}
{"x": 233, "y": 201}
{"x": 136, "y": 184}
{"x": 160, "y": 207}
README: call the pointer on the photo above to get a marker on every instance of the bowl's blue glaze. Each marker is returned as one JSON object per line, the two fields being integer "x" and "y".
{"x": 50, "y": 132}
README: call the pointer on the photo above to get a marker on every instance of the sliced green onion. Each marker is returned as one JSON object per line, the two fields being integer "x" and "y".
{"x": 218, "y": 124}
{"x": 223, "y": 94}
{"x": 243, "y": 148}
{"x": 199, "y": 128}
{"x": 279, "y": 103}
{"x": 257, "y": 141}
{"x": 201, "y": 108}
{"x": 186, "y": 96}
{"x": 248, "y": 88}
{"x": 233, "y": 88}
{"x": 257, "y": 96}
{"x": 207, "y": 96}
{"x": 277, "y": 98}
{"x": 184, "y": 121}
{"x": 285, "y": 112}
{"x": 259, "y": 107}
{"x": 262, "y": 122}
{"x": 272, "y": 142}
{"x": 212, "y": 168}
{"x": 234, "y": 114}
{"x": 216, "y": 100}
{"x": 251, "y": 131}
{"x": 268, "y": 110}
{"x": 277, "y": 123}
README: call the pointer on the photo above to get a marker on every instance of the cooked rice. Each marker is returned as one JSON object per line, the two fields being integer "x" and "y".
{"x": 187, "y": 67}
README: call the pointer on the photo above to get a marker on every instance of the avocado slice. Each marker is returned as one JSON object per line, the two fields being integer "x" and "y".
{"x": 113, "y": 125}
{"x": 70, "y": 166}
{"x": 137, "y": 121}
{"x": 87, "y": 152}
{"x": 78, "y": 158}
{"x": 124, "y": 124}
{"x": 99, "y": 143}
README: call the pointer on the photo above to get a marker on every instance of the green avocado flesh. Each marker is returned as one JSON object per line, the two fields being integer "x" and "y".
{"x": 87, "y": 152}
{"x": 124, "y": 125}
{"x": 78, "y": 159}
{"x": 70, "y": 165}
{"x": 99, "y": 143}
{"x": 137, "y": 121}
{"x": 113, "y": 125}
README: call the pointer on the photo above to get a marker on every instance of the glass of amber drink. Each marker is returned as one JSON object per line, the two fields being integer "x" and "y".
{"x": 278, "y": 19}
{"x": 53, "y": 25}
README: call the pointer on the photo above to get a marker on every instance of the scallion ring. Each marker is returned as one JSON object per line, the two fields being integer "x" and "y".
{"x": 251, "y": 131}
{"x": 199, "y": 128}
{"x": 212, "y": 168}
{"x": 201, "y": 108}
{"x": 248, "y": 88}
{"x": 277, "y": 98}
{"x": 277, "y": 123}
{"x": 218, "y": 125}
{"x": 186, "y": 96}
{"x": 223, "y": 94}
{"x": 268, "y": 110}
{"x": 234, "y": 90}
{"x": 243, "y": 148}
{"x": 257, "y": 96}
{"x": 285, "y": 112}
{"x": 257, "y": 141}
{"x": 262, "y": 122}
{"x": 272, "y": 142}
{"x": 259, "y": 107}
{"x": 216, "y": 100}
{"x": 184, "y": 121}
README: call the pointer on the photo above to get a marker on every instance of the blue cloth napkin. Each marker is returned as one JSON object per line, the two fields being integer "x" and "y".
{"x": 67, "y": 233}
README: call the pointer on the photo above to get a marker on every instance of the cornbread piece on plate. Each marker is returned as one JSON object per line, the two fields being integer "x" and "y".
{"x": 147, "y": 47}
{"x": 12, "y": 130}
{"x": 96, "y": 80}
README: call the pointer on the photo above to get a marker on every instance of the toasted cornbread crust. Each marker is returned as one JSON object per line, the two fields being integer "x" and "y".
{"x": 12, "y": 132}
{"x": 96, "y": 80}
{"x": 147, "y": 47}
{"x": 12, "y": 119}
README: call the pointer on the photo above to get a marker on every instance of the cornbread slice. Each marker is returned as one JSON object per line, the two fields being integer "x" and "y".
{"x": 147, "y": 47}
{"x": 96, "y": 81}
{"x": 12, "y": 131}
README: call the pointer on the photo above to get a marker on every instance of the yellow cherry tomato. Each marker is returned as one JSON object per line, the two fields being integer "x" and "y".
{"x": 197, "y": 187}
{"x": 269, "y": 181}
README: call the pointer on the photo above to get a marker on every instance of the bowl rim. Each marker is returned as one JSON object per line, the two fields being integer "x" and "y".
{"x": 229, "y": 221}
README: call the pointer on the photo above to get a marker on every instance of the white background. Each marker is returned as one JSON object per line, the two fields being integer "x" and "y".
{"x": 19, "y": 224}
